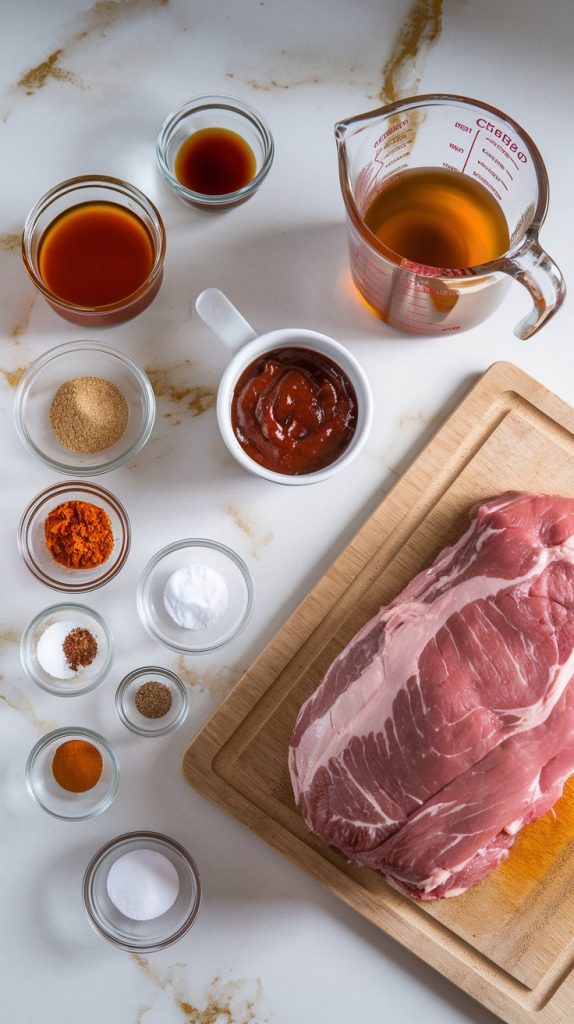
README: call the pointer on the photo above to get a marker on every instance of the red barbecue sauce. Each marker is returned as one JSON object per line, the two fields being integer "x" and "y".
{"x": 293, "y": 411}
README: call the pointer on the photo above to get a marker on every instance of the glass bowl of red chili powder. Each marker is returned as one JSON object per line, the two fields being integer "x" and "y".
{"x": 74, "y": 536}
{"x": 73, "y": 773}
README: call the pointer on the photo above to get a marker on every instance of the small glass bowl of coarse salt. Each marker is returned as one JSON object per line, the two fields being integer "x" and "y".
{"x": 84, "y": 408}
{"x": 67, "y": 649}
{"x": 195, "y": 595}
{"x": 142, "y": 891}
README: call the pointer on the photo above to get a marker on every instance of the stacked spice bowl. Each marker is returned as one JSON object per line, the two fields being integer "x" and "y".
{"x": 67, "y": 649}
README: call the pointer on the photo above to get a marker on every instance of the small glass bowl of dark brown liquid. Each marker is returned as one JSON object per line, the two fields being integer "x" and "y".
{"x": 214, "y": 151}
{"x": 94, "y": 247}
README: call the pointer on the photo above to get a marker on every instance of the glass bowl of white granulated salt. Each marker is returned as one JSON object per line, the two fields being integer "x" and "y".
{"x": 195, "y": 595}
{"x": 142, "y": 891}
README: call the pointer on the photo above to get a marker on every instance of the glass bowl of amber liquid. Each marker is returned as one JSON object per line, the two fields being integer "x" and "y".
{"x": 214, "y": 151}
{"x": 39, "y": 558}
{"x": 94, "y": 247}
{"x": 41, "y": 777}
{"x": 39, "y": 385}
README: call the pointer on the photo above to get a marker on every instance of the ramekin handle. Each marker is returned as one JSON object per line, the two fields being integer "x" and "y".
{"x": 224, "y": 319}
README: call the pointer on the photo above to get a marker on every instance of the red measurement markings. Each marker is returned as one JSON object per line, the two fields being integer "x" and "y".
{"x": 505, "y": 154}
{"x": 490, "y": 171}
{"x": 471, "y": 149}
{"x": 487, "y": 184}
{"x": 423, "y": 330}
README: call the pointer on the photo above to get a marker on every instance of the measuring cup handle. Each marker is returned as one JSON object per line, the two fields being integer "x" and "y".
{"x": 224, "y": 319}
{"x": 538, "y": 272}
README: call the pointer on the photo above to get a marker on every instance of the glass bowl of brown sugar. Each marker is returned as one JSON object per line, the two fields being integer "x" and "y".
{"x": 74, "y": 536}
{"x": 84, "y": 408}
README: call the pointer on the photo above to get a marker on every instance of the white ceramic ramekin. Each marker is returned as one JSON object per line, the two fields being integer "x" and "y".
{"x": 227, "y": 323}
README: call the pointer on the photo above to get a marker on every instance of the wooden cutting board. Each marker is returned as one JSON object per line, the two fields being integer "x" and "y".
{"x": 509, "y": 941}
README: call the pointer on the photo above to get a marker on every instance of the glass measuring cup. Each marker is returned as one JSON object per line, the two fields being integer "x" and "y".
{"x": 477, "y": 140}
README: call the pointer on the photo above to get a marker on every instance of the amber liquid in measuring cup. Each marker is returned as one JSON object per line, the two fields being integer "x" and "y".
{"x": 95, "y": 254}
{"x": 438, "y": 218}
{"x": 215, "y": 162}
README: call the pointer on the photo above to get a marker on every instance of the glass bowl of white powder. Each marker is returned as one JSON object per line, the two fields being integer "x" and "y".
{"x": 195, "y": 595}
{"x": 142, "y": 891}
{"x": 67, "y": 649}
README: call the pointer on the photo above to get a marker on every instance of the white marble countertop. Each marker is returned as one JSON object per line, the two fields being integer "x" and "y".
{"x": 84, "y": 89}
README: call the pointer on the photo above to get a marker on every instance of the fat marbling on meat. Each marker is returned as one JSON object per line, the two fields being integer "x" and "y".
{"x": 447, "y": 723}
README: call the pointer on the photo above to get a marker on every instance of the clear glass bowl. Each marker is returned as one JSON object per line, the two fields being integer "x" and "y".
{"x": 159, "y": 623}
{"x": 85, "y": 679}
{"x": 214, "y": 112}
{"x": 58, "y": 801}
{"x": 133, "y": 719}
{"x": 82, "y": 359}
{"x": 90, "y": 188}
{"x": 122, "y": 931}
{"x": 32, "y": 544}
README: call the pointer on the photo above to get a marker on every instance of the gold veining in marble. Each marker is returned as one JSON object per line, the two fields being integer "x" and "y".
{"x": 98, "y": 18}
{"x": 272, "y": 84}
{"x": 232, "y": 1001}
{"x": 392, "y": 470}
{"x": 16, "y": 701}
{"x": 35, "y": 78}
{"x": 11, "y": 241}
{"x": 13, "y": 377}
{"x": 193, "y": 400}
{"x": 9, "y": 636}
{"x": 141, "y": 1012}
{"x": 218, "y": 1008}
{"x": 420, "y": 29}
{"x": 418, "y": 417}
{"x": 104, "y": 14}
{"x": 215, "y": 681}
{"x": 160, "y": 981}
{"x": 242, "y": 522}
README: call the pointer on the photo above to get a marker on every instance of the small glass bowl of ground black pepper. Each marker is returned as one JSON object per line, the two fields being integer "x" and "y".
{"x": 73, "y": 773}
{"x": 214, "y": 151}
{"x": 74, "y": 536}
{"x": 151, "y": 701}
{"x": 84, "y": 408}
{"x": 67, "y": 649}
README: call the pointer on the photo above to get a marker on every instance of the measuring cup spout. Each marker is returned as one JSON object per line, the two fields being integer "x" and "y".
{"x": 537, "y": 271}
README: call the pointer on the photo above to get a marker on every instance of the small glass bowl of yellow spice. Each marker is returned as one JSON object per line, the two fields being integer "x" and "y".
{"x": 84, "y": 408}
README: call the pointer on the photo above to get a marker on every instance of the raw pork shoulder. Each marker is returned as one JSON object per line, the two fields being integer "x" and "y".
{"x": 447, "y": 723}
